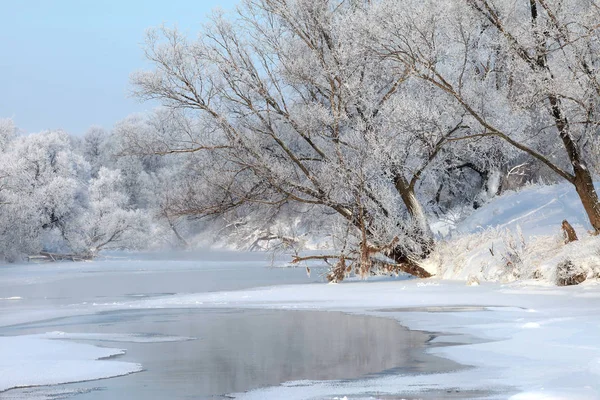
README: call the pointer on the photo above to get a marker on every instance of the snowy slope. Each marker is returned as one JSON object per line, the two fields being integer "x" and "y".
{"x": 517, "y": 236}
{"x": 538, "y": 210}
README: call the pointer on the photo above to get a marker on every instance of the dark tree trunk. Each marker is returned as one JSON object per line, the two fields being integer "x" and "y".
{"x": 568, "y": 232}
{"x": 406, "y": 264}
{"x": 424, "y": 236}
{"x": 415, "y": 210}
{"x": 584, "y": 186}
{"x": 581, "y": 178}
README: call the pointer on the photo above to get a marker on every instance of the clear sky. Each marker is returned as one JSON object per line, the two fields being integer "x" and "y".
{"x": 66, "y": 63}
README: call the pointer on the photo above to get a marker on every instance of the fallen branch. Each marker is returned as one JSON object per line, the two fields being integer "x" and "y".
{"x": 325, "y": 258}
{"x": 54, "y": 257}
{"x": 286, "y": 241}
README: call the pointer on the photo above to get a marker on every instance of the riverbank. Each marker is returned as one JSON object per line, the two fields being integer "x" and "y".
{"x": 519, "y": 340}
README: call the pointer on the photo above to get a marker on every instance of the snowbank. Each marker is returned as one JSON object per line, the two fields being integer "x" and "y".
{"x": 517, "y": 236}
{"x": 35, "y": 360}
{"x": 537, "y": 209}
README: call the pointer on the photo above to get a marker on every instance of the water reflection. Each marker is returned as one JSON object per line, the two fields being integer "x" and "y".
{"x": 239, "y": 350}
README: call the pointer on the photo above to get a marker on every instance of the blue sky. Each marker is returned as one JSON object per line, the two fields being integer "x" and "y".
{"x": 66, "y": 63}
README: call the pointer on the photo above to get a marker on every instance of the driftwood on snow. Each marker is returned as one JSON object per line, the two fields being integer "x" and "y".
{"x": 362, "y": 262}
{"x": 52, "y": 257}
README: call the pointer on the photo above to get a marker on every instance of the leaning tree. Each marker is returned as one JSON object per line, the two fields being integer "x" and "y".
{"x": 290, "y": 104}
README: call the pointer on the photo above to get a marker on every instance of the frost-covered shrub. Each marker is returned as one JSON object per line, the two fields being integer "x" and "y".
{"x": 568, "y": 273}
{"x": 502, "y": 255}
{"x": 515, "y": 249}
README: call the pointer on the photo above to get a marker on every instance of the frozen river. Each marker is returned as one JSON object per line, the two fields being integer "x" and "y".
{"x": 195, "y": 353}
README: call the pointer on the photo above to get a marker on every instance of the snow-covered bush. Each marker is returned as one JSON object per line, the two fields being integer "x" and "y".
{"x": 501, "y": 255}
{"x": 568, "y": 273}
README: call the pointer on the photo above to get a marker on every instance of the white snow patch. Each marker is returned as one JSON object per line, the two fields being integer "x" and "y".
{"x": 543, "y": 395}
{"x": 531, "y": 325}
{"x": 537, "y": 209}
{"x": 35, "y": 361}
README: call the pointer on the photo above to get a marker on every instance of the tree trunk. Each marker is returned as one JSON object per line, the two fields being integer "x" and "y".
{"x": 397, "y": 253}
{"x": 407, "y": 193}
{"x": 568, "y": 232}
{"x": 425, "y": 236}
{"x": 584, "y": 185}
{"x": 582, "y": 179}
{"x": 407, "y": 265}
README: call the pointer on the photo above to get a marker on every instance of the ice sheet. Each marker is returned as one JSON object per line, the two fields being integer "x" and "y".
{"x": 115, "y": 337}
{"x": 34, "y": 361}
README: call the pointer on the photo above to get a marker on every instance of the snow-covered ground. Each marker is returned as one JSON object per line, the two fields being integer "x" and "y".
{"x": 520, "y": 338}
{"x": 517, "y": 236}
{"x": 537, "y": 209}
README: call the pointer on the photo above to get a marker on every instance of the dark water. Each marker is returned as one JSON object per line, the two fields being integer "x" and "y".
{"x": 239, "y": 350}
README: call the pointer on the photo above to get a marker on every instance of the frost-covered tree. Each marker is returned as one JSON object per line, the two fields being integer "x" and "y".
{"x": 524, "y": 71}
{"x": 357, "y": 120}
{"x": 139, "y": 171}
{"x": 162, "y": 186}
{"x": 43, "y": 193}
{"x": 292, "y": 105}
{"x": 109, "y": 221}
{"x": 48, "y": 202}
{"x": 7, "y": 132}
